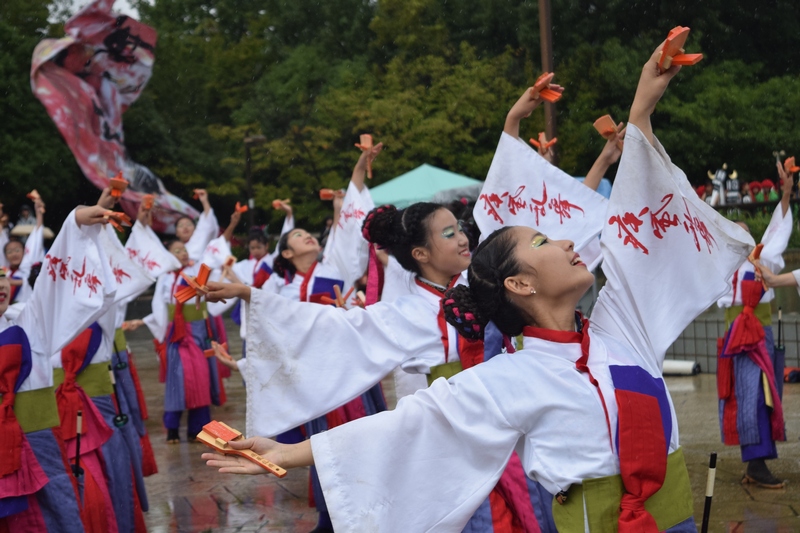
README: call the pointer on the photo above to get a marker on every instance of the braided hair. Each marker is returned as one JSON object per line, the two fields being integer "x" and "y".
{"x": 400, "y": 231}
{"x": 282, "y": 266}
{"x": 469, "y": 309}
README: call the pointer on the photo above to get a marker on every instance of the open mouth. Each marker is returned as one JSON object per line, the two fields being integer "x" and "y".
{"x": 576, "y": 261}
{"x": 465, "y": 253}
{"x": 3, "y": 297}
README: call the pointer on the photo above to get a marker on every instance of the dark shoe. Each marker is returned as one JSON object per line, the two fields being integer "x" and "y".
{"x": 173, "y": 437}
{"x": 758, "y": 474}
{"x": 192, "y": 437}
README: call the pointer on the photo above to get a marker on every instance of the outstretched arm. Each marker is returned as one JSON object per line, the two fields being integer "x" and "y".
{"x": 284, "y": 455}
{"x": 652, "y": 84}
{"x": 529, "y": 101}
{"x": 236, "y": 217}
{"x": 610, "y": 155}
{"x": 360, "y": 170}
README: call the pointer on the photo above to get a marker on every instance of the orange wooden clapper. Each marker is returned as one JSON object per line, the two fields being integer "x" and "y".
{"x": 753, "y": 257}
{"x": 117, "y": 220}
{"x": 147, "y": 201}
{"x": 118, "y": 185}
{"x": 789, "y": 166}
{"x": 34, "y": 195}
{"x": 543, "y": 142}
{"x": 606, "y": 127}
{"x": 197, "y": 285}
{"x": 223, "y": 350}
{"x": 216, "y": 435}
{"x": 541, "y": 88}
{"x": 327, "y": 195}
{"x": 240, "y": 208}
{"x": 673, "y": 53}
{"x": 276, "y": 204}
{"x": 365, "y": 143}
{"x": 196, "y": 194}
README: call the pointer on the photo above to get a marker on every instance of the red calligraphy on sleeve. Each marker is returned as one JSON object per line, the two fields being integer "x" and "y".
{"x": 698, "y": 229}
{"x": 538, "y": 206}
{"x": 490, "y": 204}
{"x": 661, "y": 220}
{"x": 562, "y": 208}
{"x": 630, "y": 224}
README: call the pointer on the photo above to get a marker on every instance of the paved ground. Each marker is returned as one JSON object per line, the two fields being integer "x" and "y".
{"x": 188, "y": 496}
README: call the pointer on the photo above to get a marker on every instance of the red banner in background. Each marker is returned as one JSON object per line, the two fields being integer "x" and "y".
{"x": 86, "y": 81}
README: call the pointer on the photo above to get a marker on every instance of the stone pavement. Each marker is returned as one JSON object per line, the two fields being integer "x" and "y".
{"x": 187, "y": 496}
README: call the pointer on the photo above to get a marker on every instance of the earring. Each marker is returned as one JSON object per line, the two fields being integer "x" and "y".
{"x": 533, "y": 291}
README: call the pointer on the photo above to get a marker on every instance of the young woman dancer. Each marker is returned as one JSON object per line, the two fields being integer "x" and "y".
{"x": 749, "y": 369}
{"x": 597, "y": 427}
{"x": 21, "y": 256}
{"x": 76, "y": 288}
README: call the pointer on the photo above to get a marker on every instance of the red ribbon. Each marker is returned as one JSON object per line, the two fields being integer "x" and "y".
{"x": 11, "y": 434}
{"x": 68, "y": 395}
{"x": 374, "y": 277}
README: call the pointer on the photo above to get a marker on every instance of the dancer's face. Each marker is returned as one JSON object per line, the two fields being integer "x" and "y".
{"x": 447, "y": 250}
{"x": 300, "y": 243}
{"x": 184, "y": 229}
{"x": 14, "y": 253}
{"x": 550, "y": 267}
{"x": 257, "y": 249}
{"x": 179, "y": 250}
{"x": 5, "y": 295}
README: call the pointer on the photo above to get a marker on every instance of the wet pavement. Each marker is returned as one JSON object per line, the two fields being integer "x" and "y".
{"x": 187, "y": 496}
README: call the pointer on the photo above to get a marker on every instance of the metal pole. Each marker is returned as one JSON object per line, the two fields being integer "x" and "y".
{"x": 546, "y": 40}
{"x": 251, "y": 202}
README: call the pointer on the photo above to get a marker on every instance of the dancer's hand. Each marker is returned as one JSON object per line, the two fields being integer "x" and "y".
{"x": 652, "y": 84}
{"x": 218, "y": 291}
{"x": 233, "y": 464}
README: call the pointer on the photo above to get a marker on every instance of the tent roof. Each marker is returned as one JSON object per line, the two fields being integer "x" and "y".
{"x": 419, "y": 185}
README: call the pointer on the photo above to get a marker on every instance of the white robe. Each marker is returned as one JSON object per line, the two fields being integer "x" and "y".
{"x": 34, "y": 253}
{"x": 443, "y": 449}
{"x": 75, "y": 288}
{"x": 205, "y": 230}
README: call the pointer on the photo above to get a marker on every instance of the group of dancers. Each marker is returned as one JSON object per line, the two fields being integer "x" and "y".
{"x": 545, "y": 420}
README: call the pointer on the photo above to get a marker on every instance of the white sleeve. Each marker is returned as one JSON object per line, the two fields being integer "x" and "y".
{"x": 206, "y": 229}
{"x": 244, "y": 270}
{"x": 146, "y": 250}
{"x": 75, "y": 288}
{"x": 776, "y": 239}
{"x": 288, "y": 224}
{"x": 216, "y": 253}
{"x": 523, "y": 189}
{"x": 397, "y": 281}
{"x": 218, "y": 308}
{"x": 131, "y": 279}
{"x": 346, "y": 248}
{"x": 158, "y": 321}
{"x": 304, "y": 359}
{"x": 34, "y": 250}
{"x": 426, "y": 466}
{"x": 4, "y": 238}
{"x": 667, "y": 254}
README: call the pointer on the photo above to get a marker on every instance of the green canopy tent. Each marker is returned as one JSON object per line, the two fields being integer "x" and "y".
{"x": 420, "y": 185}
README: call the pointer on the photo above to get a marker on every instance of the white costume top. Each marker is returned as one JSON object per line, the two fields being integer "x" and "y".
{"x": 346, "y": 248}
{"x": 443, "y": 449}
{"x": 205, "y": 229}
{"x": 775, "y": 240}
{"x": 34, "y": 253}
{"x": 75, "y": 288}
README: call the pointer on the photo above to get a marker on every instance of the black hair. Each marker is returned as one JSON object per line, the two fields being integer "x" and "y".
{"x": 258, "y": 234}
{"x": 169, "y": 242}
{"x": 469, "y": 309}
{"x": 36, "y": 268}
{"x": 11, "y": 241}
{"x": 187, "y": 217}
{"x": 281, "y": 265}
{"x": 400, "y": 231}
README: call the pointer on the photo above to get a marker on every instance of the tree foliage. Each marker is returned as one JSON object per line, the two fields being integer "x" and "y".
{"x": 432, "y": 79}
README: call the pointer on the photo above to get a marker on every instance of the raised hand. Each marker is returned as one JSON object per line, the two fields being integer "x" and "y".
{"x": 91, "y": 215}
{"x": 106, "y": 200}
{"x": 652, "y": 84}
{"x": 218, "y": 291}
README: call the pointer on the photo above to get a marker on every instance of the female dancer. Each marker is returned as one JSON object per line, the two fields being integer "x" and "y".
{"x": 749, "y": 369}
{"x": 597, "y": 427}
{"x": 76, "y": 288}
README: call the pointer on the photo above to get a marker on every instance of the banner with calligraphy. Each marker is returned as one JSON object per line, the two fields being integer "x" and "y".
{"x": 523, "y": 189}
{"x": 86, "y": 81}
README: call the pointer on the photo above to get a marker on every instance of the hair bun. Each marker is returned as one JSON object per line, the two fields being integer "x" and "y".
{"x": 382, "y": 226}
{"x": 462, "y": 313}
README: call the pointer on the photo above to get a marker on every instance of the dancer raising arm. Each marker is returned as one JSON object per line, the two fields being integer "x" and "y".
{"x": 595, "y": 399}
